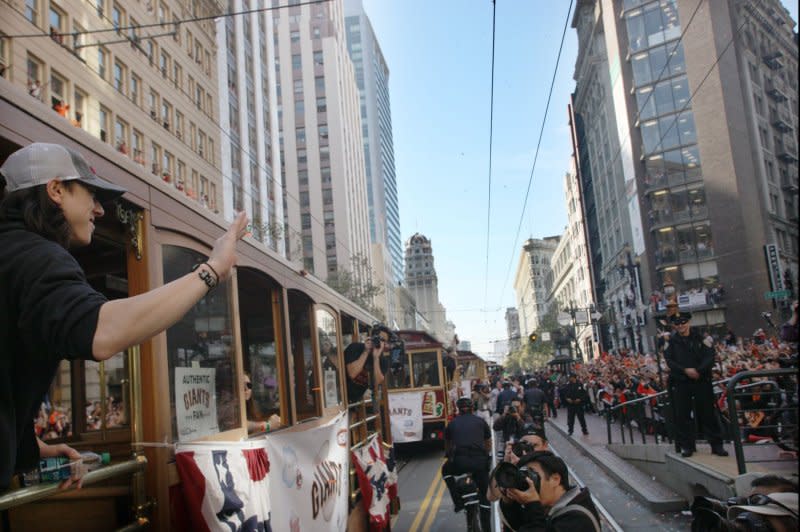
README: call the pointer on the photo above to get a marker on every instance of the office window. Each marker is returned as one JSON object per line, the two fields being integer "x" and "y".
{"x": 79, "y": 107}
{"x": 137, "y": 147}
{"x": 136, "y": 87}
{"x": 58, "y": 23}
{"x": 179, "y": 124}
{"x": 163, "y": 63}
{"x": 104, "y": 123}
{"x": 119, "y": 76}
{"x": 102, "y": 62}
{"x": 121, "y": 135}
{"x": 32, "y": 11}
{"x": 58, "y": 92}
{"x": 297, "y": 62}
{"x": 294, "y": 36}
{"x": 117, "y": 17}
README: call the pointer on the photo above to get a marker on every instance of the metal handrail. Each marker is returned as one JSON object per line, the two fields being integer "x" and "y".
{"x": 42, "y": 491}
{"x": 733, "y": 413}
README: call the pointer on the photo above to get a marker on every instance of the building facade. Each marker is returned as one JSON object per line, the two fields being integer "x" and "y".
{"x": 372, "y": 78}
{"x": 670, "y": 131}
{"x": 322, "y": 161}
{"x": 530, "y": 280}
{"x": 250, "y": 152}
{"x": 129, "y": 77}
{"x": 423, "y": 285}
{"x": 512, "y": 329}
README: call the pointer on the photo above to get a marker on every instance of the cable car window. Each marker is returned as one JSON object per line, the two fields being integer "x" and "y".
{"x": 106, "y": 383}
{"x": 258, "y": 344}
{"x": 329, "y": 353}
{"x": 425, "y": 367}
{"x": 399, "y": 375}
{"x": 203, "y": 395}
{"x": 306, "y": 382}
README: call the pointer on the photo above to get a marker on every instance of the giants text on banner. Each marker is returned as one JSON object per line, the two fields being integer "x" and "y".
{"x": 309, "y": 479}
{"x": 405, "y": 411}
{"x": 225, "y": 485}
{"x": 195, "y": 402}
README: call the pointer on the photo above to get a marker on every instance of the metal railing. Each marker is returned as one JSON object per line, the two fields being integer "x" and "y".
{"x": 778, "y": 412}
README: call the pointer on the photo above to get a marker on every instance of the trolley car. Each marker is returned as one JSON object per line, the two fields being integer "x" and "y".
{"x": 272, "y": 320}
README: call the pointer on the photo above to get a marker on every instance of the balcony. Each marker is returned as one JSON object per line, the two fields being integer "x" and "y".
{"x": 790, "y": 187}
{"x": 780, "y": 122}
{"x": 786, "y": 155}
{"x": 776, "y": 92}
{"x": 773, "y": 60}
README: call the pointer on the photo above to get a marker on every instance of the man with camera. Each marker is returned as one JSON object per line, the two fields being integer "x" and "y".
{"x": 467, "y": 444}
{"x": 690, "y": 361}
{"x": 364, "y": 362}
{"x": 771, "y": 506}
{"x": 539, "y": 484}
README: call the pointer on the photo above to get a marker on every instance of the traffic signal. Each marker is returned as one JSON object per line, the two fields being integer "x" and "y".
{"x": 532, "y": 337}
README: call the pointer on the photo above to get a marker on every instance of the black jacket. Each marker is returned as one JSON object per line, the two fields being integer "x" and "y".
{"x": 688, "y": 352}
{"x": 48, "y": 312}
{"x": 560, "y": 518}
{"x": 574, "y": 390}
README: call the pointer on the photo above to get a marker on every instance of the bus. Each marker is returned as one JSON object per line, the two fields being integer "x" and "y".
{"x": 272, "y": 322}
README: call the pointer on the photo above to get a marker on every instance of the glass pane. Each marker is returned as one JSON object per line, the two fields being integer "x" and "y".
{"x": 658, "y": 60}
{"x": 650, "y": 136}
{"x": 663, "y": 98}
{"x": 646, "y": 102}
{"x": 669, "y": 132}
{"x": 653, "y": 26}
{"x": 329, "y": 353}
{"x": 399, "y": 376}
{"x": 425, "y": 368}
{"x": 637, "y": 39}
{"x": 201, "y": 342}
{"x": 258, "y": 345}
{"x": 305, "y": 374}
{"x": 686, "y": 129}
{"x": 677, "y": 63}
{"x": 680, "y": 92}
{"x": 55, "y": 414}
{"x": 641, "y": 69}
{"x": 114, "y": 412}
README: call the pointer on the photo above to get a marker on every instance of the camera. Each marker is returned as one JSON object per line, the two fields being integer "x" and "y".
{"x": 376, "y": 341}
{"x": 509, "y": 476}
{"x": 521, "y": 448}
{"x": 511, "y": 410}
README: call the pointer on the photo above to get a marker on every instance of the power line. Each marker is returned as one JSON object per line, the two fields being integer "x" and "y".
{"x": 491, "y": 130}
{"x": 538, "y": 145}
{"x": 164, "y": 23}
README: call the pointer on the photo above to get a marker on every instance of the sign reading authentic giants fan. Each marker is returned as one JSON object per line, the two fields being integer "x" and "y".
{"x": 405, "y": 412}
{"x": 308, "y": 482}
{"x": 225, "y": 485}
{"x": 195, "y": 402}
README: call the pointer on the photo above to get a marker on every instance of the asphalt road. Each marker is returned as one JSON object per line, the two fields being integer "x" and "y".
{"x": 425, "y": 502}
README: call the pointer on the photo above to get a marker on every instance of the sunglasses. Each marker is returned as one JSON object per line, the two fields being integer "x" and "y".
{"x": 681, "y": 321}
{"x": 248, "y": 385}
{"x": 758, "y": 499}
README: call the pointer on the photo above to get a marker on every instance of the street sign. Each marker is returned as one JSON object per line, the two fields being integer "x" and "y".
{"x": 582, "y": 316}
{"x": 546, "y": 336}
{"x": 778, "y": 294}
{"x": 564, "y": 318}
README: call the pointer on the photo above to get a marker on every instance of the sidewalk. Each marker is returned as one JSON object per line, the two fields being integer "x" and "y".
{"x": 655, "y": 495}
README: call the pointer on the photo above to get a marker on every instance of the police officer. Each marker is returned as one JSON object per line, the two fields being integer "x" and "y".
{"x": 467, "y": 444}
{"x": 576, "y": 398}
{"x": 534, "y": 399}
{"x": 690, "y": 361}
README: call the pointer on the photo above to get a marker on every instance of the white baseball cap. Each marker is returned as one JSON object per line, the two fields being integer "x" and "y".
{"x": 40, "y": 162}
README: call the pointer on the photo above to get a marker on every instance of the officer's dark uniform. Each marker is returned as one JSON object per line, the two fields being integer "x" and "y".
{"x": 467, "y": 434}
{"x": 690, "y": 352}
{"x": 535, "y": 399}
{"x": 575, "y": 392}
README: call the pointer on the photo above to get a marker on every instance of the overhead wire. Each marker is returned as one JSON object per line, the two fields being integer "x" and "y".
{"x": 538, "y": 146}
{"x": 491, "y": 131}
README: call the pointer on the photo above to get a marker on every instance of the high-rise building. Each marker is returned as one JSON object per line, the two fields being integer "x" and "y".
{"x": 248, "y": 115}
{"x": 569, "y": 279}
{"x": 530, "y": 282}
{"x": 146, "y": 96}
{"x": 687, "y": 156}
{"x": 372, "y": 78}
{"x": 322, "y": 159}
{"x": 512, "y": 329}
{"x": 423, "y": 284}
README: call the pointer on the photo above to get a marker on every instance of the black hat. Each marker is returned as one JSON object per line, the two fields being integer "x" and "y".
{"x": 529, "y": 429}
{"x": 681, "y": 317}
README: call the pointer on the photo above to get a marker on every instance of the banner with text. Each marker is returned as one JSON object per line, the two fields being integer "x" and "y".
{"x": 405, "y": 412}
{"x": 308, "y": 479}
{"x": 195, "y": 402}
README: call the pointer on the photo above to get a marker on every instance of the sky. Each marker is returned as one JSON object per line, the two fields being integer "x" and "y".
{"x": 439, "y": 54}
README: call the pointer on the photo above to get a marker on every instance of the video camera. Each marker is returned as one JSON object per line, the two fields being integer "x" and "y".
{"x": 508, "y": 476}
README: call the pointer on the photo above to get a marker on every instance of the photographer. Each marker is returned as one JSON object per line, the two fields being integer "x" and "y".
{"x": 363, "y": 360}
{"x": 790, "y": 331}
{"x": 771, "y": 505}
{"x": 548, "y": 503}
{"x": 510, "y": 424}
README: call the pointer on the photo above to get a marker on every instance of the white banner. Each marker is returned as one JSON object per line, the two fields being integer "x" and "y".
{"x": 466, "y": 388}
{"x": 195, "y": 402}
{"x": 308, "y": 480}
{"x": 405, "y": 411}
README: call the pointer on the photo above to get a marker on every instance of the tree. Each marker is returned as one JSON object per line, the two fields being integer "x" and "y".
{"x": 356, "y": 284}
{"x": 535, "y": 355}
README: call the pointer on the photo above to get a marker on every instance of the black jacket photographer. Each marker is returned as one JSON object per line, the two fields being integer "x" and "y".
{"x": 690, "y": 361}
{"x": 467, "y": 444}
{"x": 510, "y": 423}
{"x": 549, "y": 503}
{"x": 365, "y": 362}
